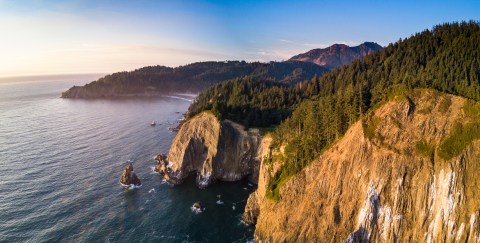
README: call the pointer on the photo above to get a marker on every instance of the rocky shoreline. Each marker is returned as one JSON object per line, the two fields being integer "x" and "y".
{"x": 356, "y": 185}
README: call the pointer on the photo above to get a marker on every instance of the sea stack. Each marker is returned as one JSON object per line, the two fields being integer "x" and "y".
{"x": 129, "y": 177}
{"x": 211, "y": 149}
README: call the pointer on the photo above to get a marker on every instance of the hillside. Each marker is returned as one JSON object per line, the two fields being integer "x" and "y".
{"x": 192, "y": 78}
{"x": 365, "y": 147}
{"x": 446, "y": 58}
{"x": 337, "y": 55}
{"x": 387, "y": 180}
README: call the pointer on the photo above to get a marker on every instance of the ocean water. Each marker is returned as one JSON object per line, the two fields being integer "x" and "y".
{"x": 61, "y": 161}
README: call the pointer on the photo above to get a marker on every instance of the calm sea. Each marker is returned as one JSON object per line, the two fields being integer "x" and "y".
{"x": 61, "y": 161}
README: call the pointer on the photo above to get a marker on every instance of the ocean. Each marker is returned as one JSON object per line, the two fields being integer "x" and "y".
{"x": 61, "y": 161}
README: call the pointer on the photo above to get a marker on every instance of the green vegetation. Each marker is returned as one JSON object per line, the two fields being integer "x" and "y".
{"x": 462, "y": 134}
{"x": 445, "y": 104}
{"x": 320, "y": 110}
{"x": 193, "y": 78}
{"x": 472, "y": 110}
{"x": 459, "y": 139}
{"x": 273, "y": 188}
{"x": 247, "y": 101}
{"x": 424, "y": 148}
{"x": 369, "y": 128}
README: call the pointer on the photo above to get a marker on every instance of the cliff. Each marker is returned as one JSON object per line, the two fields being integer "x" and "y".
{"x": 212, "y": 150}
{"x": 391, "y": 178}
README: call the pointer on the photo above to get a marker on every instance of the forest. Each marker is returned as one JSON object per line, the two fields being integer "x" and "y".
{"x": 191, "y": 78}
{"x": 309, "y": 116}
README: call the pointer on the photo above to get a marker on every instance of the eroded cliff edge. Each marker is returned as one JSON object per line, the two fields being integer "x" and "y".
{"x": 212, "y": 150}
{"x": 387, "y": 180}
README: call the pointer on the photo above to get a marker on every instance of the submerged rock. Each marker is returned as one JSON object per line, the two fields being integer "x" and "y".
{"x": 198, "y": 207}
{"x": 129, "y": 177}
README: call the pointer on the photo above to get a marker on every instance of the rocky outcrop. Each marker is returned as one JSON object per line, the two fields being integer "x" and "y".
{"x": 212, "y": 150}
{"x": 129, "y": 177}
{"x": 379, "y": 184}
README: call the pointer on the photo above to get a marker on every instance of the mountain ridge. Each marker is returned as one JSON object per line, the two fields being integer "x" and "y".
{"x": 195, "y": 77}
{"x": 191, "y": 78}
{"x": 337, "y": 55}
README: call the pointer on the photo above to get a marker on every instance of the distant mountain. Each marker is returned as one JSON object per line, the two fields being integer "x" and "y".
{"x": 337, "y": 55}
{"x": 195, "y": 77}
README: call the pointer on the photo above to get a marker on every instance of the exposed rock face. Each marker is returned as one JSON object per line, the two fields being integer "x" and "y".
{"x": 337, "y": 55}
{"x": 252, "y": 208}
{"x": 129, "y": 177}
{"x": 381, "y": 188}
{"x": 211, "y": 149}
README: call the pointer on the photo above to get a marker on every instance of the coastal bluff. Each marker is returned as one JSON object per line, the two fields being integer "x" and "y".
{"x": 389, "y": 179}
{"x": 211, "y": 150}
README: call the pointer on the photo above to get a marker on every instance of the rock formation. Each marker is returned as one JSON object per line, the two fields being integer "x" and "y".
{"x": 382, "y": 185}
{"x": 129, "y": 177}
{"x": 211, "y": 150}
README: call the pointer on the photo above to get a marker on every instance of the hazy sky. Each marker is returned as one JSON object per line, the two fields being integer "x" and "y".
{"x": 81, "y": 36}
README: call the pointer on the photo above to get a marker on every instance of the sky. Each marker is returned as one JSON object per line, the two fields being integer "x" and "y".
{"x": 103, "y": 36}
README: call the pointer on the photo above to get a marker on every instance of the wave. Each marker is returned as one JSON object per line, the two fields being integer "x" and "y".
{"x": 152, "y": 168}
{"x": 131, "y": 186}
{"x": 177, "y": 97}
{"x": 197, "y": 210}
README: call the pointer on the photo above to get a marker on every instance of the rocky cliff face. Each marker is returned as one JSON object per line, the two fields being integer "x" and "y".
{"x": 337, "y": 55}
{"x": 211, "y": 150}
{"x": 384, "y": 181}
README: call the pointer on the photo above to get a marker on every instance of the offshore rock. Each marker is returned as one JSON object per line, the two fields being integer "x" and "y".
{"x": 212, "y": 150}
{"x": 129, "y": 177}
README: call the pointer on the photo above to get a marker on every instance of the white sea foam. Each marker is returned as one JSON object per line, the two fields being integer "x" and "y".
{"x": 197, "y": 210}
{"x": 219, "y": 202}
{"x": 177, "y": 97}
{"x": 153, "y": 170}
{"x": 151, "y": 190}
{"x": 131, "y": 186}
{"x": 243, "y": 222}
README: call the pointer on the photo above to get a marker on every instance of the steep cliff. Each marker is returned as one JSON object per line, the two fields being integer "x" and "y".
{"x": 389, "y": 179}
{"x": 211, "y": 150}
